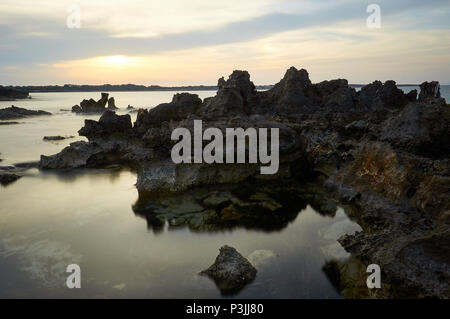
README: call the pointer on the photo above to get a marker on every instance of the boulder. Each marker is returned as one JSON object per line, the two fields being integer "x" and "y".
{"x": 231, "y": 271}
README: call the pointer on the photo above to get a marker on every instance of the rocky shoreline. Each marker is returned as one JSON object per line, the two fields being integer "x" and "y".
{"x": 383, "y": 153}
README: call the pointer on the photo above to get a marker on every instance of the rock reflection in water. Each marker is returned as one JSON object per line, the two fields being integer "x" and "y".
{"x": 266, "y": 207}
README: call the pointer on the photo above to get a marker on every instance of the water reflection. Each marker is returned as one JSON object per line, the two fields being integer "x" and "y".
{"x": 48, "y": 220}
{"x": 264, "y": 207}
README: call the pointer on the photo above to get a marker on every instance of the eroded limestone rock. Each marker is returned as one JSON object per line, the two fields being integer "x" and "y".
{"x": 230, "y": 271}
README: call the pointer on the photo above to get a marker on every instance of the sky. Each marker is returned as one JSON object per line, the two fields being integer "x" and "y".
{"x": 179, "y": 42}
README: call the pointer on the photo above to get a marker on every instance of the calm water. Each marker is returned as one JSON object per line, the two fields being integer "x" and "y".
{"x": 49, "y": 220}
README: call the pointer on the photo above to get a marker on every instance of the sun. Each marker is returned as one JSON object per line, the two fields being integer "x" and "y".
{"x": 116, "y": 60}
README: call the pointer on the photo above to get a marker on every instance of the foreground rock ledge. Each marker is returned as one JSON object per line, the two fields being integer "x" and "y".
{"x": 231, "y": 271}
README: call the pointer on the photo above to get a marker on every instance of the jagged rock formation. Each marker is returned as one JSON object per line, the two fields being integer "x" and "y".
{"x": 92, "y": 106}
{"x": 429, "y": 90}
{"x": 112, "y": 104}
{"x": 380, "y": 151}
{"x": 230, "y": 271}
{"x": 15, "y": 112}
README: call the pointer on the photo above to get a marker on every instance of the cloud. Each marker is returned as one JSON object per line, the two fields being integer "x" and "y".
{"x": 33, "y": 34}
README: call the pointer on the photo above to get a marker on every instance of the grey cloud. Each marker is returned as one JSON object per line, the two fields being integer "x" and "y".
{"x": 17, "y": 48}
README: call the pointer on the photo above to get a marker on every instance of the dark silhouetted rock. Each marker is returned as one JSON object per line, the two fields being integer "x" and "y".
{"x": 231, "y": 271}
{"x": 14, "y": 112}
{"x": 377, "y": 96}
{"x": 8, "y": 94}
{"x": 109, "y": 123}
{"x": 337, "y": 96}
{"x": 8, "y": 178}
{"x": 56, "y": 138}
{"x": 235, "y": 97}
{"x": 112, "y": 104}
{"x": 429, "y": 90}
{"x": 8, "y": 123}
{"x": 76, "y": 109}
{"x": 182, "y": 105}
{"x": 287, "y": 96}
{"x": 92, "y": 106}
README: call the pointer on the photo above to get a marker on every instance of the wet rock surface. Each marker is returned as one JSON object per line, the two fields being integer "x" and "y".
{"x": 230, "y": 271}
{"x": 15, "y": 112}
{"x": 384, "y": 153}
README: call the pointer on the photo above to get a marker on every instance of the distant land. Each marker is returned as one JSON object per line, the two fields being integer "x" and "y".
{"x": 112, "y": 88}
{"x": 20, "y": 92}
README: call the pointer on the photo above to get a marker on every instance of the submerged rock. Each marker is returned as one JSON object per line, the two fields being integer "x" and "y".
{"x": 15, "y": 112}
{"x": 231, "y": 271}
{"x": 8, "y": 178}
{"x": 56, "y": 138}
{"x": 260, "y": 257}
{"x": 9, "y": 123}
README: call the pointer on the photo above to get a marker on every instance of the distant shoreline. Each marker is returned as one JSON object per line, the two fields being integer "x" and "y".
{"x": 133, "y": 88}
{"x": 117, "y": 88}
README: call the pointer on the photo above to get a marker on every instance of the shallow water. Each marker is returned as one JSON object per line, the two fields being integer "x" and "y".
{"x": 49, "y": 220}
{"x": 23, "y": 142}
